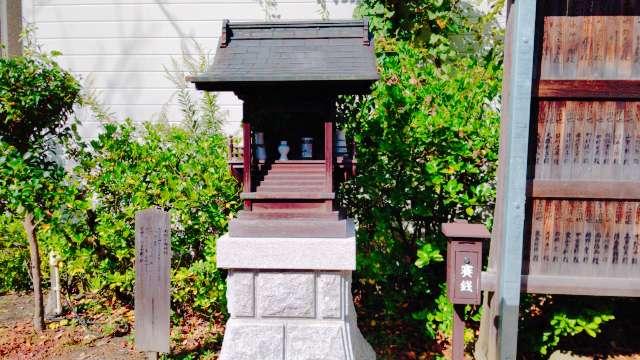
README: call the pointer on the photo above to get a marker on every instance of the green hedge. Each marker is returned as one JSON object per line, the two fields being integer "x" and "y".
{"x": 428, "y": 139}
{"x": 126, "y": 169}
{"x": 131, "y": 168}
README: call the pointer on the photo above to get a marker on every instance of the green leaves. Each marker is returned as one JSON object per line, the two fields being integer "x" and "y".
{"x": 565, "y": 324}
{"x": 428, "y": 140}
{"x": 132, "y": 167}
{"x": 28, "y": 184}
{"x": 14, "y": 255}
{"x": 428, "y": 254}
{"x": 446, "y": 29}
{"x": 87, "y": 215}
{"x": 36, "y": 99}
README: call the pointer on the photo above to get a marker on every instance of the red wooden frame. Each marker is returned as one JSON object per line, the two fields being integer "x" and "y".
{"x": 328, "y": 154}
{"x": 246, "y": 161}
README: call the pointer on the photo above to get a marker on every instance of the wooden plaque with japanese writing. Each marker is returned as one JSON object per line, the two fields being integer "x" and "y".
{"x": 584, "y": 188}
{"x": 153, "y": 268}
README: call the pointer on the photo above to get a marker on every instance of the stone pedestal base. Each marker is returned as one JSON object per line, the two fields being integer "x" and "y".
{"x": 292, "y": 315}
{"x": 279, "y": 313}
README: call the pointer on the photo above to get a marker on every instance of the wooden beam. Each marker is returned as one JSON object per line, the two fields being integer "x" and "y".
{"x": 590, "y": 89}
{"x": 585, "y": 189}
{"x": 570, "y": 285}
{"x": 246, "y": 162}
{"x": 516, "y": 114}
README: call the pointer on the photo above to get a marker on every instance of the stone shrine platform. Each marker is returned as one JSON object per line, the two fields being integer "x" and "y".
{"x": 290, "y": 299}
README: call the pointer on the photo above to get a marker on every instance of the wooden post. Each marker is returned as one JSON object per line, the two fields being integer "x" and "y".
{"x": 153, "y": 268}
{"x": 457, "y": 341}
{"x": 464, "y": 262}
{"x": 246, "y": 161}
{"x": 328, "y": 155}
{"x": 499, "y": 327}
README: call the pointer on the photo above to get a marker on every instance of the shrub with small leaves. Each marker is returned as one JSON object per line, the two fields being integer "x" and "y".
{"x": 564, "y": 324}
{"x": 36, "y": 98}
{"x": 130, "y": 168}
{"x": 14, "y": 256}
{"x": 428, "y": 139}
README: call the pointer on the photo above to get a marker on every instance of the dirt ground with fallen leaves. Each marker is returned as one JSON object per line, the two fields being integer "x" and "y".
{"x": 99, "y": 333}
{"x": 91, "y": 329}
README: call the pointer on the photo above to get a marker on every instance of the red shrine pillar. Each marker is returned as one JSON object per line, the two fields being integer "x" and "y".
{"x": 246, "y": 162}
{"x": 328, "y": 155}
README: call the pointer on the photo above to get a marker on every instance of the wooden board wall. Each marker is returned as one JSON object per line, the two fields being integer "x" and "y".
{"x": 584, "y": 179}
{"x": 591, "y": 47}
{"x": 589, "y": 7}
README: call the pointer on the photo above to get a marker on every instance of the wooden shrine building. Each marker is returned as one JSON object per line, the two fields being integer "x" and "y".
{"x": 289, "y": 75}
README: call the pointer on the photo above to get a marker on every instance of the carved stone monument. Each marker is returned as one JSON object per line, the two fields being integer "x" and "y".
{"x": 290, "y": 252}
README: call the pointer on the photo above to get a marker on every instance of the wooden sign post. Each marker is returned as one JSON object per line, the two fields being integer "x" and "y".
{"x": 153, "y": 269}
{"x": 464, "y": 263}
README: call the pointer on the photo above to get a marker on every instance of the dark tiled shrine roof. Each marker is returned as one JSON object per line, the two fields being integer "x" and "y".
{"x": 339, "y": 53}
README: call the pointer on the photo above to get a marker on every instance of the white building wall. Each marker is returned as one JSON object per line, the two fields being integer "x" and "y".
{"x": 119, "y": 48}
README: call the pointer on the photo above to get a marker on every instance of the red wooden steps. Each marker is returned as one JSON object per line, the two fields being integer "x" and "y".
{"x": 296, "y": 185}
{"x": 290, "y": 188}
{"x": 293, "y": 180}
{"x": 294, "y": 176}
{"x": 298, "y": 162}
{"x": 276, "y": 182}
{"x": 288, "y": 215}
{"x": 288, "y": 195}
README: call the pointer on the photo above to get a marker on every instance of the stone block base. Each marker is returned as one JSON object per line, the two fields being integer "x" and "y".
{"x": 292, "y": 315}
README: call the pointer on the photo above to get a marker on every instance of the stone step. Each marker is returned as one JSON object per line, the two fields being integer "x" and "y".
{"x": 312, "y": 228}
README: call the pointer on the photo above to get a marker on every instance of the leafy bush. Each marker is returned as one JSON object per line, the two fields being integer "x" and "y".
{"x": 128, "y": 169}
{"x": 564, "y": 324}
{"x": 42, "y": 188}
{"x": 36, "y": 98}
{"x": 445, "y": 29}
{"x": 87, "y": 214}
{"x": 549, "y": 321}
{"x": 14, "y": 256}
{"x": 428, "y": 137}
{"x": 435, "y": 105}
